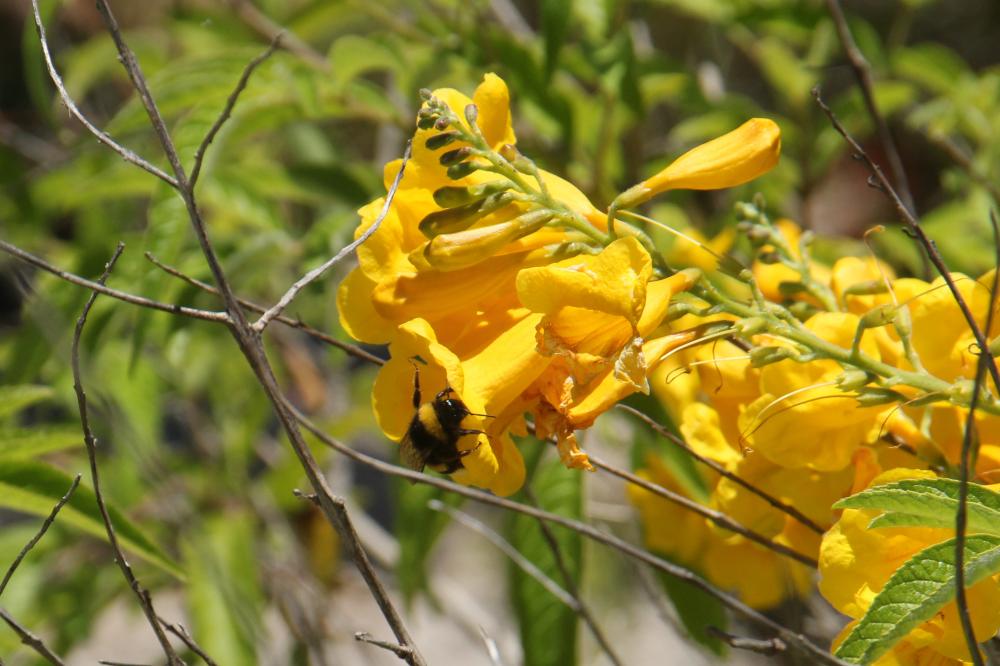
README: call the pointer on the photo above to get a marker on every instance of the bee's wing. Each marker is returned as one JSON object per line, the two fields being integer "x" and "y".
{"x": 409, "y": 454}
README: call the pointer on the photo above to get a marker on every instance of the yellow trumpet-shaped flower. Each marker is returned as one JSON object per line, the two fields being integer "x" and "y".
{"x": 749, "y": 151}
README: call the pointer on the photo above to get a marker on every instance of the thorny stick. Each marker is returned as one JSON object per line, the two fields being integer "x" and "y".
{"x": 399, "y": 650}
{"x": 250, "y": 344}
{"x": 347, "y": 347}
{"x": 227, "y": 111}
{"x": 104, "y": 138}
{"x": 91, "y": 443}
{"x": 317, "y": 272}
{"x": 793, "y": 639}
{"x": 38, "y": 535}
{"x": 735, "y": 478}
{"x": 717, "y": 517}
{"x": 769, "y": 647}
{"x": 918, "y": 232}
{"x": 582, "y": 609}
{"x": 28, "y": 258}
{"x": 30, "y": 639}
{"x": 186, "y": 638}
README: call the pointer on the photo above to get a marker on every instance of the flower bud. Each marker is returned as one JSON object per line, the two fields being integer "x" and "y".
{"x": 441, "y": 140}
{"x": 451, "y": 196}
{"x": 455, "y": 156}
{"x": 458, "y": 218}
{"x": 471, "y": 114}
{"x": 878, "y": 316}
{"x": 461, "y": 170}
{"x": 761, "y": 356}
{"x": 866, "y": 288}
{"x": 873, "y": 396}
{"x": 449, "y": 252}
{"x": 749, "y": 151}
{"x": 853, "y": 379}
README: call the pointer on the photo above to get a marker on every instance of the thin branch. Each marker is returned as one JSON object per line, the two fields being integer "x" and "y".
{"x": 317, "y": 272}
{"x": 30, "y": 639}
{"x": 492, "y": 651}
{"x": 38, "y": 535}
{"x": 862, "y": 73}
{"x": 959, "y": 157}
{"x": 582, "y": 608}
{"x": 227, "y": 111}
{"x": 769, "y": 646}
{"x": 251, "y": 346}
{"x": 721, "y": 470}
{"x": 913, "y": 224}
{"x": 38, "y": 262}
{"x": 315, "y": 333}
{"x": 264, "y": 26}
{"x": 91, "y": 443}
{"x": 793, "y": 639}
{"x": 717, "y": 517}
{"x": 399, "y": 650}
{"x": 508, "y": 549}
{"x": 969, "y": 444}
{"x": 180, "y": 632}
{"x": 102, "y": 136}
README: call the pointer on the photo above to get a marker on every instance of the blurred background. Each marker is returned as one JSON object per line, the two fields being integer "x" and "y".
{"x": 604, "y": 92}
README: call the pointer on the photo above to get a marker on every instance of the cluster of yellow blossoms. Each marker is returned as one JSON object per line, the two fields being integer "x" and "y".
{"x": 513, "y": 289}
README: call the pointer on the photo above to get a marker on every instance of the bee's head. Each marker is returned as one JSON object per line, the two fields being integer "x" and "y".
{"x": 450, "y": 408}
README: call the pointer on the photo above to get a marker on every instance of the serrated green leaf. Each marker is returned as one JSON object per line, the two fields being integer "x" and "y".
{"x": 34, "y": 487}
{"x": 548, "y": 627}
{"x": 914, "y": 593}
{"x": 15, "y": 398}
{"x": 935, "y": 500}
{"x": 21, "y": 443}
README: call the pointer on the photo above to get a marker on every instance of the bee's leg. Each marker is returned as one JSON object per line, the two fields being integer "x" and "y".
{"x": 468, "y": 431}
{"x": 416, "y": 385}
{"x": 445, "y": 393}
{"x": 462, "y": 454}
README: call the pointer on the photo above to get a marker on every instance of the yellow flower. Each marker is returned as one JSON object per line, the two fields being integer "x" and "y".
{"x": 749, "y": 151}
{"x": 769, "y": 277}
{"x": 856, "y": 562}
{"x": 799, "y": 398}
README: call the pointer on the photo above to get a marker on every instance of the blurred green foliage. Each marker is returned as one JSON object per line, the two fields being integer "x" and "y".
{"x": 604, "y": 92}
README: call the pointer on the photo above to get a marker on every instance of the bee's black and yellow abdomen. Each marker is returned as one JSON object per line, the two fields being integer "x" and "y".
{"x": 433, "y": 434}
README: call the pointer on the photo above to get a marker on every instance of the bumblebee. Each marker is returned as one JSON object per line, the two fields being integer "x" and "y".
{"x": 432, "y": 438}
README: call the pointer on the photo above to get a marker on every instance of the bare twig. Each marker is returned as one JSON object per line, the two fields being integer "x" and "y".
{"x": 102, "y": 136}
{"x": 264, "y": 26}
{"x": 317, "y": 272}
{"x": 91, "y": 443}
{"x": 722, "y": 471}
{"x": 926, "y": 243}
{"x": 315, "y": 333}
{"x": 30, "y": 639}
{"x": 769, "y": 646}
{"x": 508, "y": 549}
{"x": 969, "y": 444}
{"x": 492, "y": 651}
{"x": 959, "y": 157}
{"x": 793, "y": 639}
{"x": 250, "y": 345}
{"x": 862, "y": 73}
{"x": 400, "y": 651}
{"x": 99, "y": 288}
{"x": 717, "y": 517}
{"x": 180, "y": 632}
{"x": 199, "y": 155}
{"x": 38, "y": 535}
{"x": 571, "y": 587}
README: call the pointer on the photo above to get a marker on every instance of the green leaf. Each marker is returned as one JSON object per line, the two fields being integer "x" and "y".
{"x": 34, "y": 487}
{"x": 915, "y": 593}
{"x": 930, "y": 502}
{"x": 353, "y": 55}
{"x": 548, "y": 627}
{"x": 20, "y": 443}
{"x": 419, "y": 530}
{"x": 224, "y": 589}
{"x": 697, "y": 611}
{"x": 15, "y": 398}
{"x": 555, "y": 24}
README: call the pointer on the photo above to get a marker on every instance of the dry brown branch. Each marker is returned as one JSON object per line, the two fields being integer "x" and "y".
{"x": 30, "y": 639}
{"x": 74, "y": 111}
{"x": 38, "y": 535}
{"x": 180, "y": 632}
{"x": 769, "y": 646}
{"x": 91, "y": 443}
